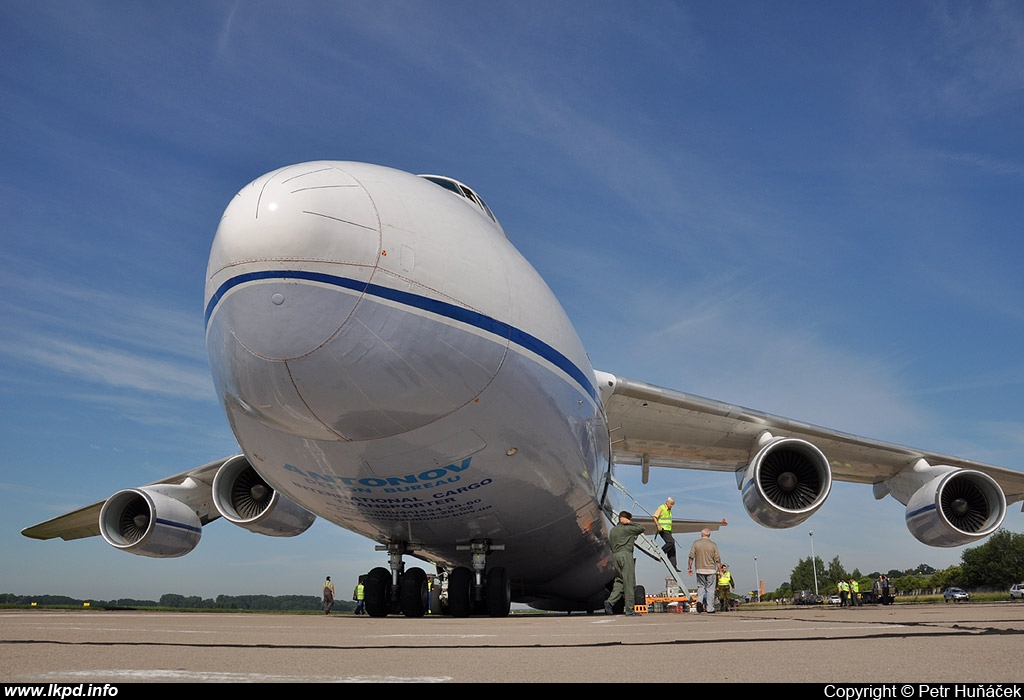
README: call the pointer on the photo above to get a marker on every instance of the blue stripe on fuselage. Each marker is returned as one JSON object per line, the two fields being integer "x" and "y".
{"x": 416, "y": 301}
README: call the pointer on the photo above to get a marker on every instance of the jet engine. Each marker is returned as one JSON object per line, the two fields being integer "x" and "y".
{"x": 956, "y": 508}
{"x": 147, "y": 522}
{"x": 785, "y": 483}
{"x": 243, "y": 497}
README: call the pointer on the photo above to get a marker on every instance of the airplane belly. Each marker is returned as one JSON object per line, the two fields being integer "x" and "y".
{"x": 515, "y": 466}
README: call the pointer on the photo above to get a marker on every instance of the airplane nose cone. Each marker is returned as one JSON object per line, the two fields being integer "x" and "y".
{"x": 309, "y": 332}
{"x": 288, "y": 219}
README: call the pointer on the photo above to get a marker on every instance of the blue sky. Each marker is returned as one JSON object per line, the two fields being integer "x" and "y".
{"x": 811, "y": 209}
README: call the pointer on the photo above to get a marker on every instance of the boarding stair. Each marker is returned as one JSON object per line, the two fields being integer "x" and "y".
{"x": 646, "y": 544}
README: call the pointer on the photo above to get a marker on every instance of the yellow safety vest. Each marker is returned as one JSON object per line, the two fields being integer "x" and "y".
{"x": 665, "y": 517}
{"x": 725, "y": 580}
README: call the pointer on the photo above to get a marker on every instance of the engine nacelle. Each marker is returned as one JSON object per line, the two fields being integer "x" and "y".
{"x": 956, "y": 508}
{"x": 243, "y": 497}
{"x": 143, "y": 521}
{"x": 785, "y": 483}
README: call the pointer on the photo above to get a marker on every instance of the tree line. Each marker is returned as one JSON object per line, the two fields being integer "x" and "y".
{"x": 996, "y": 564}
{"x": 262, "y": 603}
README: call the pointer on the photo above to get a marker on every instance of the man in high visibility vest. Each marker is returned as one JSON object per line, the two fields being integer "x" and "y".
{"x": 358, "y": 595}
{"x": 854, "y": 592}
{"x": 328, "y": 596}
{"x": 844, "y": 592}
{"x": 663, "y": 521}
{"x": 726, "y": 585}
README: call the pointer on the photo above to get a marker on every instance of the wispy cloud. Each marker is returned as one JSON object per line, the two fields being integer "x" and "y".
{"x": 113, "y": 367}
{"x": 102, "y": 338}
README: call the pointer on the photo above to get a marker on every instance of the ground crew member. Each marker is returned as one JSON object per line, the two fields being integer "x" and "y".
{"x": 854, "y": 592}
{"x": 358, "y": 595}
{"x": 844, "y": 593}
{"x": 726, "y": 584}
{"x": 705, "y": 556}
{"x": 663, "y": 521}
{"x": 622, "y": 537}
{"x": 328, "y": 596}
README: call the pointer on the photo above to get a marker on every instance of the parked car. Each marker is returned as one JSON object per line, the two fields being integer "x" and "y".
{"x": 1017, "y": 591}
{"x": 955, "y": 594}
{"x": 834, "y": 599}
{"x": 808, "y": 598}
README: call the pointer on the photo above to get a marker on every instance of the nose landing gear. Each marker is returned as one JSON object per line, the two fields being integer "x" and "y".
{"x": 490, "y": 590}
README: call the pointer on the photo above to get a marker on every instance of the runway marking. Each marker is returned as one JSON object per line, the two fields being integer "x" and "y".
{"x": 432, "y": 636}
{"x": 164, "y": 675}
{"x": 136, "y": 629}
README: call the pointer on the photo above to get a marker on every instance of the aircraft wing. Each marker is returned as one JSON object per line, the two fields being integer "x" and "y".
{"x": 654, "y": 426}
{"x": 85, "y": 522}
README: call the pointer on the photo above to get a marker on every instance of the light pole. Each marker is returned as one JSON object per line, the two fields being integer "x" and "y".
{"x": 757, "y": 581}
{"x": 814, "y": 566}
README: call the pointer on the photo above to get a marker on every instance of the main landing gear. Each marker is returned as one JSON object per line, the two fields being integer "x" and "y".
{"x": 464, "y": 592}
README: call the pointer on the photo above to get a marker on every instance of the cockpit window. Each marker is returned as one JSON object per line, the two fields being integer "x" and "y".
{"x": 444, "y": 182}
{"x": 463, "y": 191}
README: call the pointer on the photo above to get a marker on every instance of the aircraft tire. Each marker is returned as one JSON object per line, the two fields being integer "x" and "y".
{"x": 460, "y": 592}
{"x": 375, "y": 592}
{"x": 639, "y": 596}
{"x": 412, "y": 592}
{"x": 498, "y": 592}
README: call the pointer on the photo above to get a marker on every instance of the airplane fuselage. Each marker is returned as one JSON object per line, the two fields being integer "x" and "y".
{"x": 389, "y": 361}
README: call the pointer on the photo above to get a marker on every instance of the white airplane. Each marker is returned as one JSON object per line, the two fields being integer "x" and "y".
{"x": 388, "y": 360}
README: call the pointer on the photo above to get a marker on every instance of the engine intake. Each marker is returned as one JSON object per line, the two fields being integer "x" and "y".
{"x": 143, "y": 521}
{"x": 956, "y": 508}
{"x": 785, "y": 483}
{"x": 243, "y": 497}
